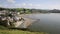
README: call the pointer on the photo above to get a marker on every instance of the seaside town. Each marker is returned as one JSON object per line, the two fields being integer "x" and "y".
{"x": 29, "y": 16}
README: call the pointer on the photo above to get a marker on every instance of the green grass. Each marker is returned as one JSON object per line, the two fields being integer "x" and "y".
{"x": 4, "y": 30}
{"x": 19, "y": 32}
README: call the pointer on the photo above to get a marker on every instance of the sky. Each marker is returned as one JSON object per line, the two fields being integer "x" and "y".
{"x": 36, "y": 4}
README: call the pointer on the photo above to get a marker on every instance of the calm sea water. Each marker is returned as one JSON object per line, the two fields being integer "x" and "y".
{"x": 49, "y": 22}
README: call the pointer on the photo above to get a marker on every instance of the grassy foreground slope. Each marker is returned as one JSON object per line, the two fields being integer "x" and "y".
{"x": 4, "y": 30}
{"x": 19, "y": 32}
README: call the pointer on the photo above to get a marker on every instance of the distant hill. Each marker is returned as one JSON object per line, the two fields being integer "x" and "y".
{"x": 24, "y": 10}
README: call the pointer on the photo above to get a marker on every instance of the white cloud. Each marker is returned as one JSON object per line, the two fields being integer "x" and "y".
{"x": 24, "y": 4}
{"x": 11, "y": 1}
{"x": 37, "y": 6}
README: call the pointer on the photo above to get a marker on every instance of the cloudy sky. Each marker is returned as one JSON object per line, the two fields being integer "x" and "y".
{"x": 38, "y": 4}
